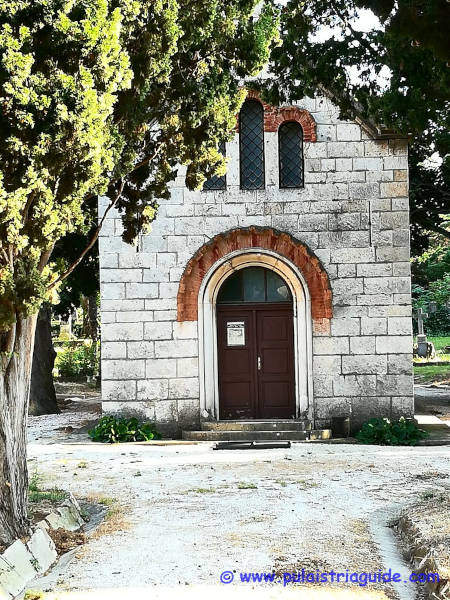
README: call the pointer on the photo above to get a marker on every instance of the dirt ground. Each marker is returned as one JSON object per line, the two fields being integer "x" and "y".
{"x": 182, "y": 515}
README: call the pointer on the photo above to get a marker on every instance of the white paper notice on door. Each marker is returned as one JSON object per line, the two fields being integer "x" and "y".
{"x": 236, "y": 333}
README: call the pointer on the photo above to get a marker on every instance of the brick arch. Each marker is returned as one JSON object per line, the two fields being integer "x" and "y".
{"x": 275, "y": 115}
{"x": 256, "y": 237}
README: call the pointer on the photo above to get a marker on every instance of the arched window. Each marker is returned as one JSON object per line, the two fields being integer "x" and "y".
{"x": 217, "y": 182}
{"x": 290, "y": 149}
{"x": 251, "y": 145}
{"x": 254, "y": 284}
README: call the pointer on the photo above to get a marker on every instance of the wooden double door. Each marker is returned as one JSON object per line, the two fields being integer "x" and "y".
{"x": 256, "y": 361}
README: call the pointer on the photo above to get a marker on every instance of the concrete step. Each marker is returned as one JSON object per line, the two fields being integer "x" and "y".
{"x": 258, "y": 425}
{"x": 247, "y": 436}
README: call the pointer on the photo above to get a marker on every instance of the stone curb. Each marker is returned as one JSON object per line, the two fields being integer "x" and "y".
{"x": 22, "y": 561}
{"x": 423, "y": 558}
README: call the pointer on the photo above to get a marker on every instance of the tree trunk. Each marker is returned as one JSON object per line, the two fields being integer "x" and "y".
{"x": 42, "y": 391}
{"x": 93, "y": 316}
{"x": 14, "y": 390}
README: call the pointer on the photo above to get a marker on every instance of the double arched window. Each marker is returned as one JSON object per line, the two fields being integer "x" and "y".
{"x": 251, "y": 152}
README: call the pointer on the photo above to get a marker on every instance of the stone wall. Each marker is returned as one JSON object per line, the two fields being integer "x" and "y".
{"x": 352, "y": 214}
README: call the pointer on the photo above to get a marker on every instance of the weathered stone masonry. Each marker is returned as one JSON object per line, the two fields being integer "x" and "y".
{"x": 352, "y": 215}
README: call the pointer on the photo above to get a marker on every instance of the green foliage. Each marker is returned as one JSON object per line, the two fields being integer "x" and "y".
{"x": 384, "y": 432}
{"x": 107, "y": 97}
{"x": 113, "y": 430}
{"x": 393, "y": 73}
{"x": 438, "y": 292}
{"x": 36, "y": 494}
{"x": 76, "y": 360}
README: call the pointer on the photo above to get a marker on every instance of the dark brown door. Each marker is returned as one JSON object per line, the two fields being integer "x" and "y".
{"x": 256, "y": 361}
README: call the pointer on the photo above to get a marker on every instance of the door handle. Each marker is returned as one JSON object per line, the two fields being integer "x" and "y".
{"x": 259, "y": 363}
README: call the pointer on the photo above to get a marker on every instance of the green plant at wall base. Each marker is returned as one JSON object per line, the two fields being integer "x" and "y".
{"x": 384, "y": 432}
{"x": 114, "y": 430}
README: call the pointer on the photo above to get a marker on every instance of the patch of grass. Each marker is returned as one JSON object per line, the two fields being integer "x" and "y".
{"x": 82, "y": 465}
{"x": 433, "y": 495}
{"x": 305, "y": 483}
{"x": 431, "y": 373}
{"x": 246, "y": 485}
{"x": 202, "y": 490}
{"x": 440, "y": 341}
{"x": 281, "y": 482}
{"x": 36, "y": 494}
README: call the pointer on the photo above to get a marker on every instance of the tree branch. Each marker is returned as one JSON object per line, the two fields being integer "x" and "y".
{"x": 92, "y": 241}
{"x": 356, "y": 34}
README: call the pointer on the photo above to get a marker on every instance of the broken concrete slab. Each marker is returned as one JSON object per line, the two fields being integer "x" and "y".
{"x": 18, "y": 555}
{"x": 43, "y": 549}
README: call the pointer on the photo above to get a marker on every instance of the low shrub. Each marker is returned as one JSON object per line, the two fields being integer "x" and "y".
{"x": 114, "y": 430}
{"x": 384, "y": 432}
{"x": 77, "y": 360}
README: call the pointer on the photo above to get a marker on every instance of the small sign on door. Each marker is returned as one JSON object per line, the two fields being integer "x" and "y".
{"x": 236, "y": 333}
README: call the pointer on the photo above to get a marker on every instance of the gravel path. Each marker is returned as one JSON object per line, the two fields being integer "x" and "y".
{"x": 193, "y": 513}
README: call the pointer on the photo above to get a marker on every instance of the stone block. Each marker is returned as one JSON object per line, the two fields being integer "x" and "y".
{"x": 187, "y": 367}
{"x": 188, "y": 413}
{"x": 123, "y": 369}
{"x": 354, "y": 385}
{"x": 153, "y": 389}
{"x": 187, "y": 387}
{"x": 374, "y": 299}
{"x": 368, "y": 164}
{"x": 370, "y": 364}
{"x": 158, "y": 331}
{"x": 176, "y": 349}
{"x": 119, "y": 390}
{"x": 399, "y": 326}
{"x": 394, "y": 189}
{"x": 333, "y": 407}
{"x": 348, "y": 132}
{"x": 185, "y": 330}
{"x": 396, "y": 254}
{"x": 144, "y": 260}
{"x": 394, "y": 344}
{"x": 326, "y": 365}
{"x": 128, "y": 275}
{"x": 114, "y": 350}
{"x": 330, "y": 345}
{"x": 352, "y": 255}
{"x": 315, "y": 222}
{"x": 345, "y": 327}
{"x": 374, "y": 270}
{"x": 141, "y": 410}
{"x": 373, "y": 326}
{"x": 345, "y": 149}
{"x": 122, "y": 305}
{"x": 323, "y": 386}
{"x": 341, "y": 286}
{"x": 402, "y": 406}
{"x": 347, "y": 270}
{"x": 141, "y": 290}
{"x": 121, "y": 332}
{"x": 400, "y": 364}
{"x": 395, "y": 162}
{"x": 362, "y": 345}
{"x": 43, "y": 549}
{"x": 395, "y": 385}
{"x": 112, "y": 291}
{"x": 134, "y": 316}
{"x": 141, "y": 349}
{"x": 160, "y": 368}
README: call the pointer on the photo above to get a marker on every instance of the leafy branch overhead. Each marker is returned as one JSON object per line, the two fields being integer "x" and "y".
{"x": 108, "y": 96}
{"x": 387, "y": 61}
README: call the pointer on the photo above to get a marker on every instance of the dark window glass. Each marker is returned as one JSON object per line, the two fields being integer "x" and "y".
{"x": 251, "y": 142}
{"x": 254, "y": 287}
{"x": 290, "y": 147}
{"x": 217, "y": 182}
{"x": 254, "y": 284}
{"x": 277, "y": 290}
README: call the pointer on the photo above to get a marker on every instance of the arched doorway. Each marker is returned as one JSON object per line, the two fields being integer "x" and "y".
{"x": 298, "y": 302}
{"x": 255, "y": 345}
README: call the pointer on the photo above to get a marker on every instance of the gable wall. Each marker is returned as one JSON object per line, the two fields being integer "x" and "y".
{"x": 352, "y": 214}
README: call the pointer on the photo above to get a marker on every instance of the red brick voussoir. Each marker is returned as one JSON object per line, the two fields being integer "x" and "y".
{"x": 256, "y": 237}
